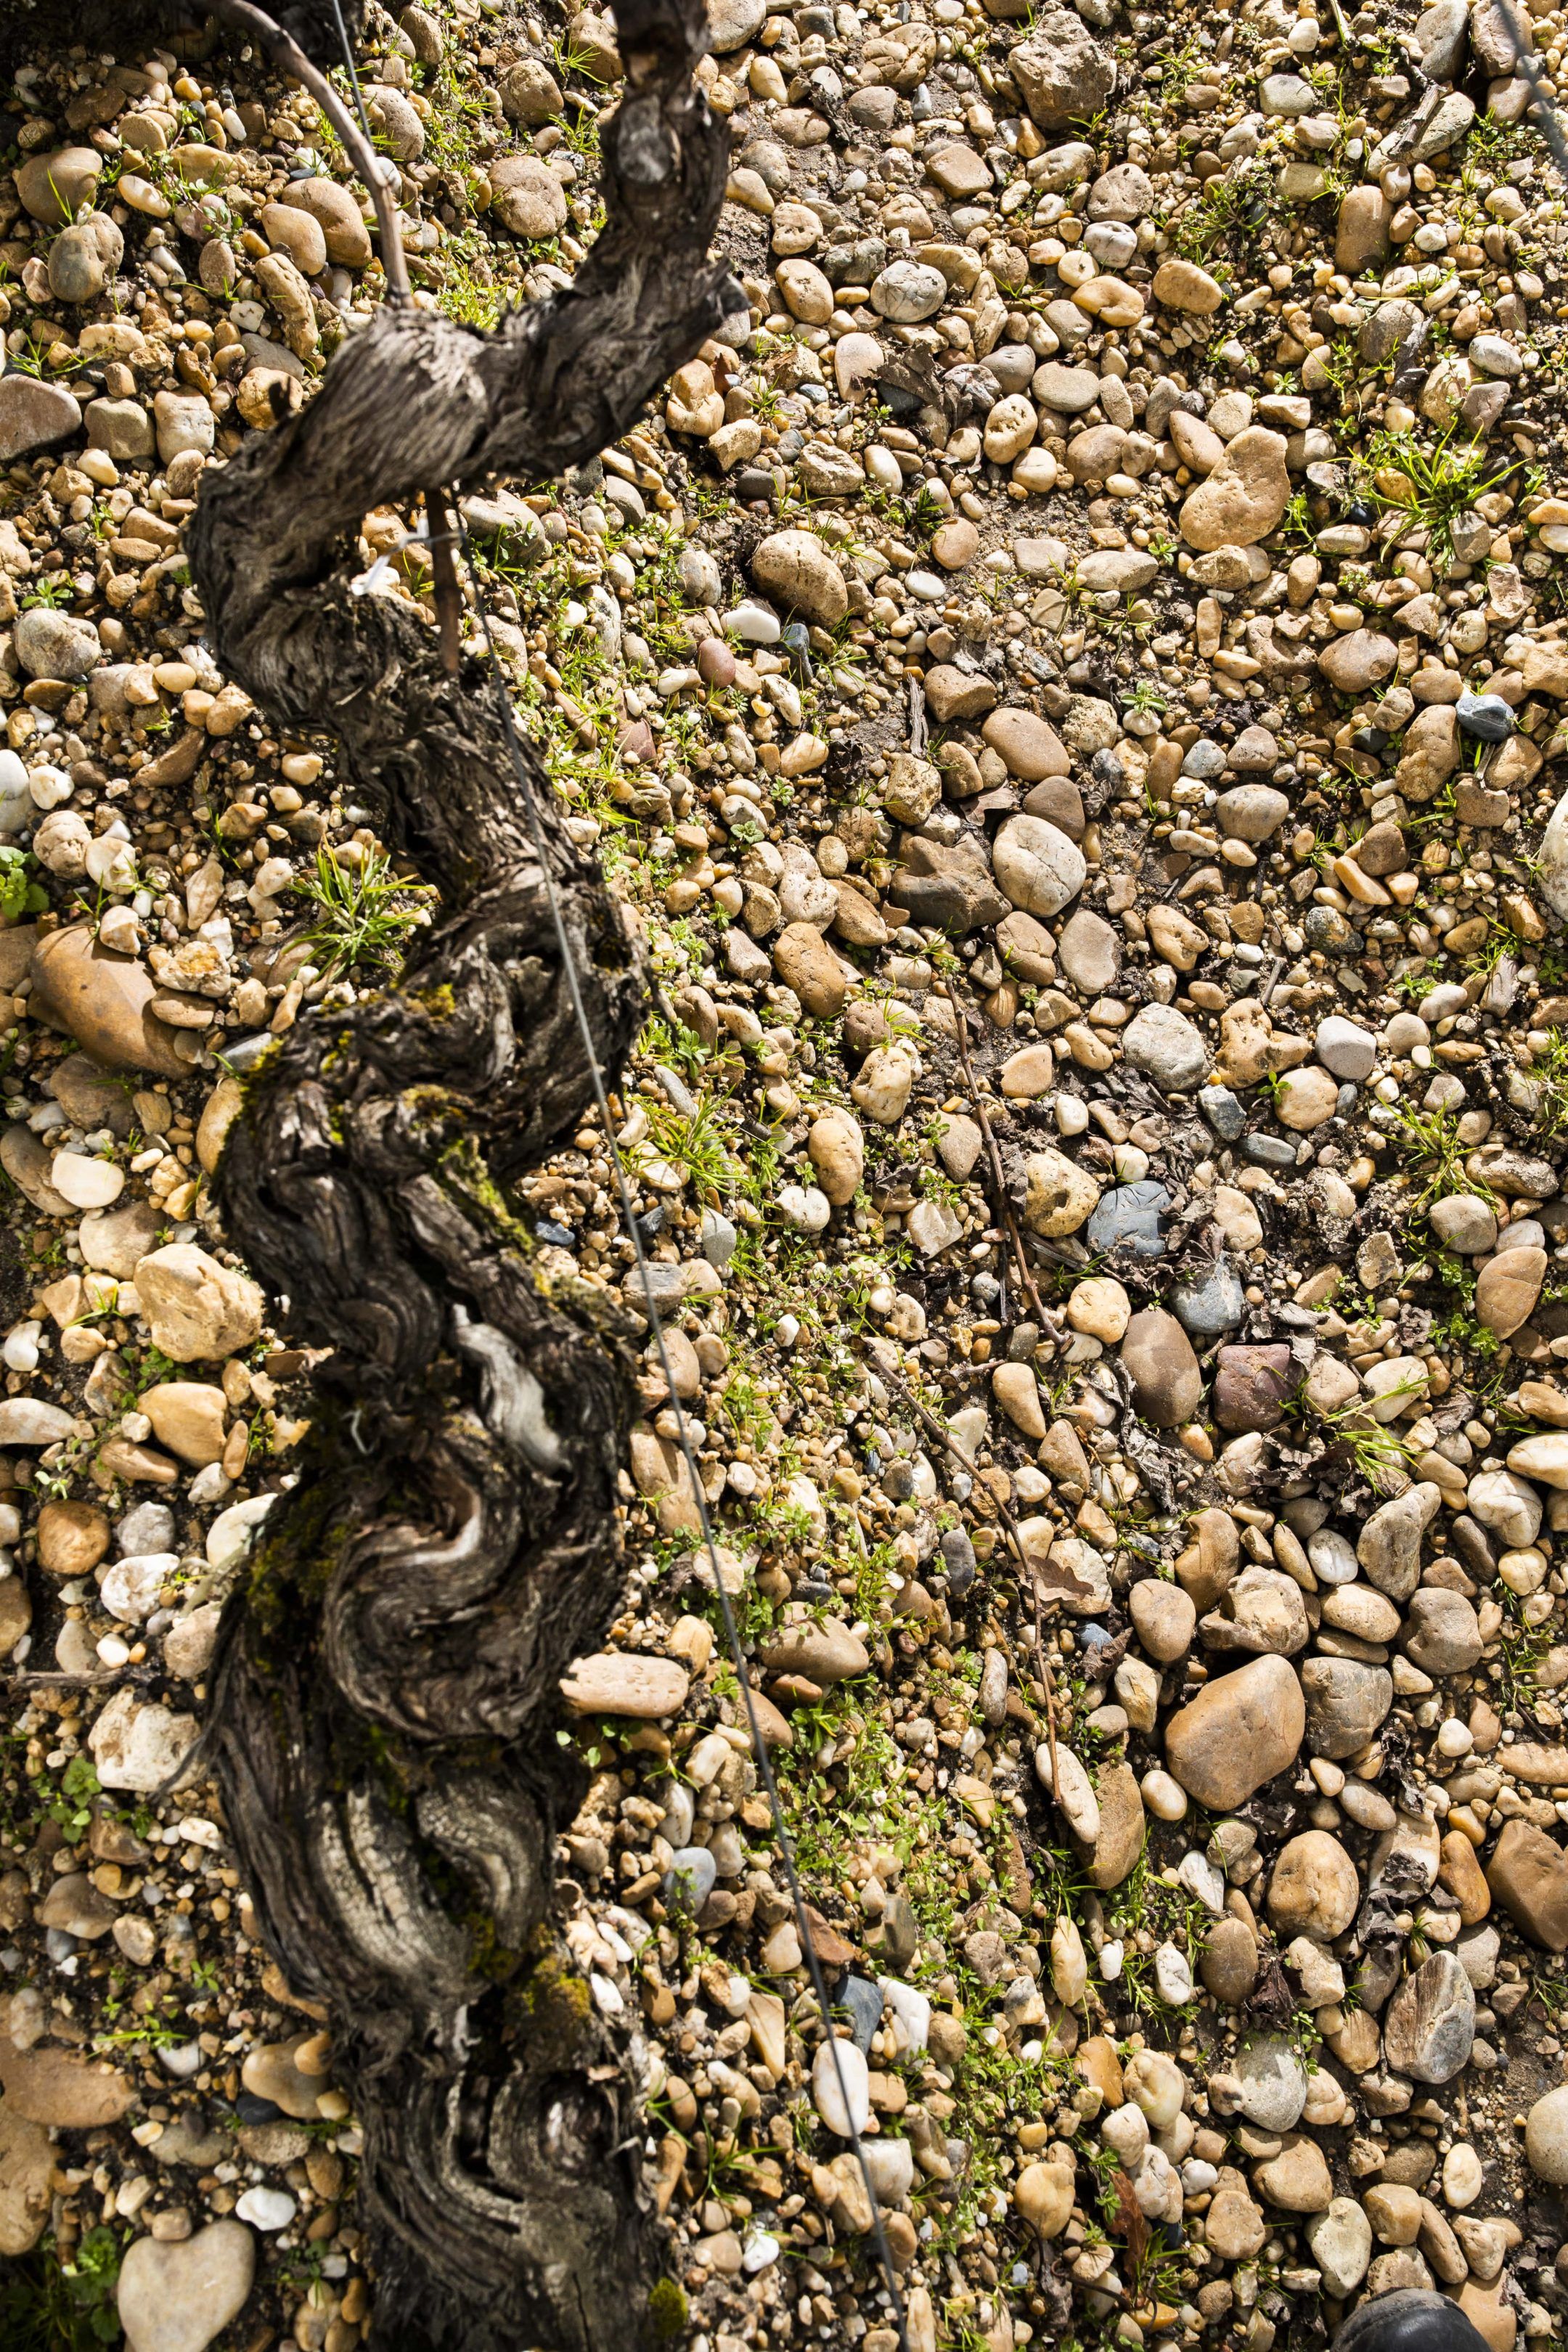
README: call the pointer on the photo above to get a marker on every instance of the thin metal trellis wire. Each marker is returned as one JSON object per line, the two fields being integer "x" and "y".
{"x": 601, "y": 1097}
{"x": 354, "y": 77}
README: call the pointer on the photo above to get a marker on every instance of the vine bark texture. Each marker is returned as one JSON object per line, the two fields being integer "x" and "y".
{"x": 384, "y": 1701}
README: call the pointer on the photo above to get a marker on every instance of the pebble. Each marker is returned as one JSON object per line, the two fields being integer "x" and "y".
{"x": 268, "y": 2209}
{"x": 1546, "y": 2137}
{"x": 1188, "y": 865}
{"x": 1273, "y": 2082}
{"x": 1431, "y": 2021}
{"x": 1340, "y": 2238}
{"x": 1164, "y": 1044}
{"x": 177, "y": 2296}
{"x": 1158, "y": 1359}
{"x": 1240, "y": 1730}
{"x": 1130, "y": 1217}
{"x": 840, "y": 2088}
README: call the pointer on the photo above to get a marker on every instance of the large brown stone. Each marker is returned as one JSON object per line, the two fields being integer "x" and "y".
{"x": 1528, "y": 1874}
{"x": 1228, "y": 1963}
{"x": 615, "y": 1683}
{"x": 341, "y": 222}
{"x": 1244, "y": 498}
{"x": 1237, "y": 1734}
{"x": 1208, "y": 1566}
{"x": 1298, "y": 2179}
{"x": 1314, "y": 1890}
{"x": 1507, "y": 1289}
{"x": 1234, "y": 2227}
{"x": 72, "y": 1538}
{"x": 35, "y": 416}
{"x": 1158, "y": 1358}
{"x": 1251, "y": 1384}
{"x": 1119, "y": 1842}
{"x": 179, "y": 2295}
{"x": 197, "y": 1310}
{"x": 27, "y": 2169}
{"x": 805, "y": 961}
{"x": 103, "y": 1001}
{"x": 55, "y": 2086}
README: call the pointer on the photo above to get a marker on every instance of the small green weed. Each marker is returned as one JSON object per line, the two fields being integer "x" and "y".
{"x": 364, "y": 915}
{"x": 1438, "y": 483}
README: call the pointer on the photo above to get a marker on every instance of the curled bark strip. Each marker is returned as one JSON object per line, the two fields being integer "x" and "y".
{"x": 384, "y": 1695}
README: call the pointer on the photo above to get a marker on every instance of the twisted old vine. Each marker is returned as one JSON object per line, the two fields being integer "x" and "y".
{"x": 385, "y": 1698}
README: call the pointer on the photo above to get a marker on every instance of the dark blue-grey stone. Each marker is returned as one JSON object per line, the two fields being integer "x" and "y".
{"x": 250, "y": 2107}
{"x": 559, "y": 1235}
{"x": 864, "y": 2003}
{"x": 1210, "y": 1302}
{"x": 1326, "y": 929}
{"x": 1486, "y": 715}
{"x": 1268, "y": 1151}
{"x": 1346, "y": 1099}
{"x": 1224, "y": 1111}
{"x": 794, "y": 644}
{"x": 957, "y": 1553}
{"x": 244, "y": 1053}
{"x": 1127, "y": 1217}
{"x": 1409, "y": 2320}
{"x": 1092, "y": 1637}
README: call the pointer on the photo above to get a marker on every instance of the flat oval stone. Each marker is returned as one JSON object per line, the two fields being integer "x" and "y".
{"x": 841, "y": 2088}
{"x": 1430, "y": 2023}
{"x": 617, "y": 1684}
{"x": 1158, "y": 1358}
{"x": 1165, "y": 1046}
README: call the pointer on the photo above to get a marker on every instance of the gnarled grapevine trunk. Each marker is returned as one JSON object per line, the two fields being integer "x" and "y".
{"x": 385, "y": 1694}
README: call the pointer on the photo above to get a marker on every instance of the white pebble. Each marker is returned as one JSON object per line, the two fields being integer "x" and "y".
{"x": 266, "y": 2209}
{"x": 1166, "y": 1798}
{"x": 86, "y": 1183}
{"x": 829, "y": 2099}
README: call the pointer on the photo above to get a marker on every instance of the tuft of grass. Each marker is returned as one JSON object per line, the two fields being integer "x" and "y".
{"x": 1432, "y": 486}
{"x": 697, "y": 1145}
{"x": 1432, "y": 1141}
{"x": 1548, "y": 1073}
{"x": 1377, "y": 1451}
{"x": 1234, "y": 206}
{"x": 364, "y": 915}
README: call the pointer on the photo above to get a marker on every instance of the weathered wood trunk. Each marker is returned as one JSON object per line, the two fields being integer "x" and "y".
{"x": 385, "y": 1700}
